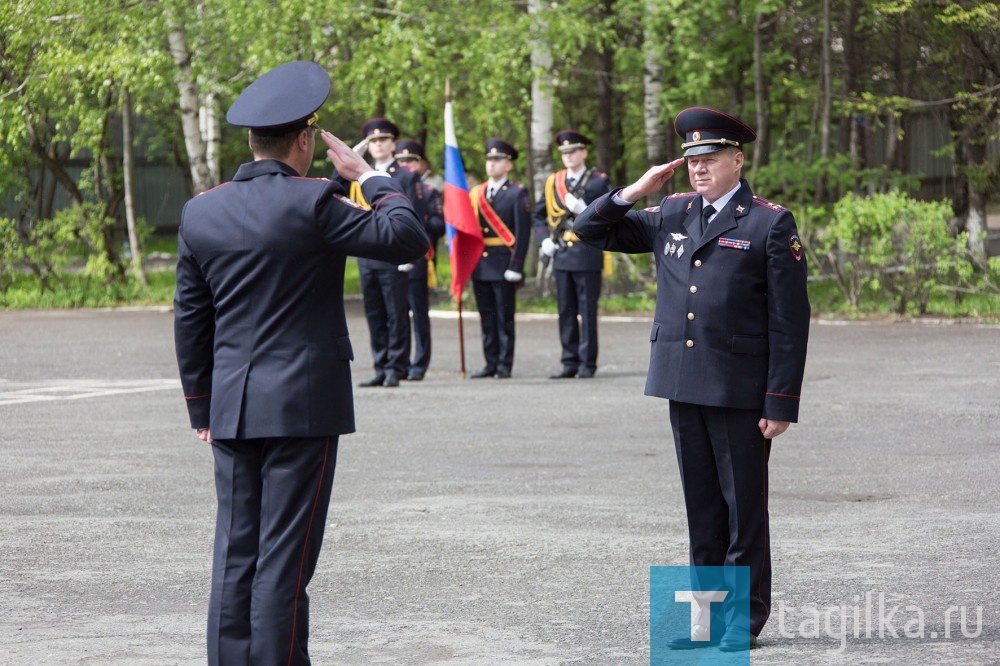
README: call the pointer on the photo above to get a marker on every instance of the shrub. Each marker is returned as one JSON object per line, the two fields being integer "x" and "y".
{"x": 894, "y": 246}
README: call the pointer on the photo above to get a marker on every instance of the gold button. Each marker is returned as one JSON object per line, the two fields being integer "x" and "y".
{"x": 694, "y": 289}
{"x": 690, "y": 343}
{"x": 697, "y": 262}
{"x": 569, "y": 243}
{"x": 690, "y": 316}
{"x": 486, "y": 254}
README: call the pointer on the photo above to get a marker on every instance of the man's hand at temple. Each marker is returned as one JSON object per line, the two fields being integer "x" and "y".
{"x": 651, "y": 181}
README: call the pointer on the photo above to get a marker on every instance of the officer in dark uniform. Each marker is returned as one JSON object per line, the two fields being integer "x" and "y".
{"x": 264, "y": 355}
{"x": 503, "y": 209}
{"x": 384, "y": 285}
{"x": 409, "y": 154}
{"x": 577, "y": 266}
{"x": 728, "y": 344}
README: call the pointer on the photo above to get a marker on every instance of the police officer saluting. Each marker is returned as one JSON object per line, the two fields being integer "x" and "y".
{"x": 503, "y": 209}
{"x": 264, "y": 355}
{"x": 410, "y": 156}
{"x": 576, "y": 266}
{"x": 728, "y": 346}
{"x": 385, "y": 285}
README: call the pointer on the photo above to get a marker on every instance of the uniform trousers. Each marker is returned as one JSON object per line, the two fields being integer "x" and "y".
{"x": 496, "y": 302}
{"x": 419, "y": 301}
{"x": 577, "y": 293}
{"x": 722, "y": 457}
{"x": 273, "y": 498}
{"x": 387, "y": 312}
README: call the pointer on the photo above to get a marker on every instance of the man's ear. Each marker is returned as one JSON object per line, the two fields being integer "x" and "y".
{"x": 739, "y": 159}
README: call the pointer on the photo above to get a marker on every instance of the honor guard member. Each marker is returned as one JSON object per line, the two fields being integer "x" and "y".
{"x": 577, "y": 266}
{"x": 415, "y": 159}
{"x": 384, "y": 285}
{"x": 503, "y": 209}
{"x": 422, "y": 277}
{"x": 264, "y": 355}
{"x": 728, "y": 346}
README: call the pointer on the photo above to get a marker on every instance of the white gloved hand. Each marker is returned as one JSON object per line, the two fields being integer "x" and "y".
{"x": 512, "y": 276}
{"x": 405, "y": 268}
{"x": 575, "y": 205}
{"x": 549, "y": 247}
{"x": 362, "y": 147}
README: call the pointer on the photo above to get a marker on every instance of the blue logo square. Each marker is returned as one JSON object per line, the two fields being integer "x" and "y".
{"x": 715, "y": 598}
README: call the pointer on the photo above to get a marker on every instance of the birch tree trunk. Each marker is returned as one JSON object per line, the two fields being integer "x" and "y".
{"x": 187, "y": 86}
{"x": 657, "y": 131}
{"x": 540, "y": 162}
{"x": 128, "y": 177}
{"x": 762, "y": 145}
{"x": 211, "y": 131}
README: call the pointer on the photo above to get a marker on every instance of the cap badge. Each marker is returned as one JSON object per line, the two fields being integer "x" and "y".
{"x": 696, "y": 136}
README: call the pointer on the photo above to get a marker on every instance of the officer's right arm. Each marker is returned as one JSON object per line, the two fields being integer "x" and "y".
{"x": 608, "y": 225}
{"x": 390, "y": 231}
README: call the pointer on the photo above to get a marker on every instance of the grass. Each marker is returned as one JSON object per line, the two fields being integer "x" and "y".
{"x": 77, "y": 292}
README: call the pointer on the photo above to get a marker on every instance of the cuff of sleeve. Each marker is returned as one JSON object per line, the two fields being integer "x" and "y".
{"x": 371, "y": 174}
{"x": 780, "y": 407}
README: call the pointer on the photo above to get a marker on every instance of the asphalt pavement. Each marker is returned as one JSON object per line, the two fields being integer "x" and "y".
{"x": 504, "y": 521}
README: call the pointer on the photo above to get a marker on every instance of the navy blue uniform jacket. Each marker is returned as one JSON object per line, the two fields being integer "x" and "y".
{"x": 732, "y": 313}
{"x": 259, "y": 325}
{"x": 573, "y": 255}
{"x": 513, "y": 205}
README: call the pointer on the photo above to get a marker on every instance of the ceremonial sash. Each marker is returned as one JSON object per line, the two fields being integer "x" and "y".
{"x": 483, "y": 209}
{"x": 555, "y": 195}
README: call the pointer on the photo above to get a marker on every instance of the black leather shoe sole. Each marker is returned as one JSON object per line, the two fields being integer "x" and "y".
{"x": 374, "y": 381}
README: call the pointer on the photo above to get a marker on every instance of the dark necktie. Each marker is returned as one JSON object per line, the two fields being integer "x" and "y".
{"x": 569, "y": 183}
{"x": 706, "y": 212}
{"x": 490, "y": 193}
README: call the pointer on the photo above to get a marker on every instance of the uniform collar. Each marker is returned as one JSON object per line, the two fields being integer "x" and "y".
{"x": 263, "y": 167}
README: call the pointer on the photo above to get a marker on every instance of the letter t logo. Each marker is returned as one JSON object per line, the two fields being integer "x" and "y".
{"x": 700, "y": 601}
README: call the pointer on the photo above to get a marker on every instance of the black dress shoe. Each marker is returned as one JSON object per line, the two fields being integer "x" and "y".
{"x": 485, "y": 372}
{"x": 586, "y": 373}
{"x": 503, "y": 373}
{"x": 415, "y": 376}
{"x": 391, "y": 380}
{"x": 375, "y": 380}
{"x": 737, "y": 639}
{"x": 567, "y": 373}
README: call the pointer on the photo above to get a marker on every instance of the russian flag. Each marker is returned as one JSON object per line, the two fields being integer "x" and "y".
{"x": 465, "y": 238}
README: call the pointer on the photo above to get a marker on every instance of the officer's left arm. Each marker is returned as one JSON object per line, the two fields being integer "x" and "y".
{"x": 194, "y": 334}
{"x": 788, "y": 319}
{"x": 522, "y": 231}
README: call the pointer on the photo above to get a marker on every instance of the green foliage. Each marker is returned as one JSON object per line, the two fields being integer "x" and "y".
{"x": 891, "y": 245}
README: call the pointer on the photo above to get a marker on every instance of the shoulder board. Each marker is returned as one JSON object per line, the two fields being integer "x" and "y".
{"x": 683, "y": 195}
{"x": 516, "y": 186}
{"x": 322, "y": 180}
{"x": 214, "y": 188}
{"x": 598, "y": 174}
{"x": 348, "y": 201}
{"x": 760, "y": 201}
{"x": 651, "y": 209}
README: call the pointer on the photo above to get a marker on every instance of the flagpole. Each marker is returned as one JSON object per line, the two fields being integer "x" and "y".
{"x": 461, "y": 327}
{"x": 461, "y": 338}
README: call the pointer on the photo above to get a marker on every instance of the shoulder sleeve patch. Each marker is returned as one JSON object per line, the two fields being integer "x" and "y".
{"x": 795, "y": 245}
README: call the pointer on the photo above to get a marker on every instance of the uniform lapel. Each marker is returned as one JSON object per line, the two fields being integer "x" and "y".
{"x": 692, "y": 225}
{"x": 727, "y": 218}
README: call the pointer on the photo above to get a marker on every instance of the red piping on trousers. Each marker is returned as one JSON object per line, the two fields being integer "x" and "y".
{"x": 305, "y": 546}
